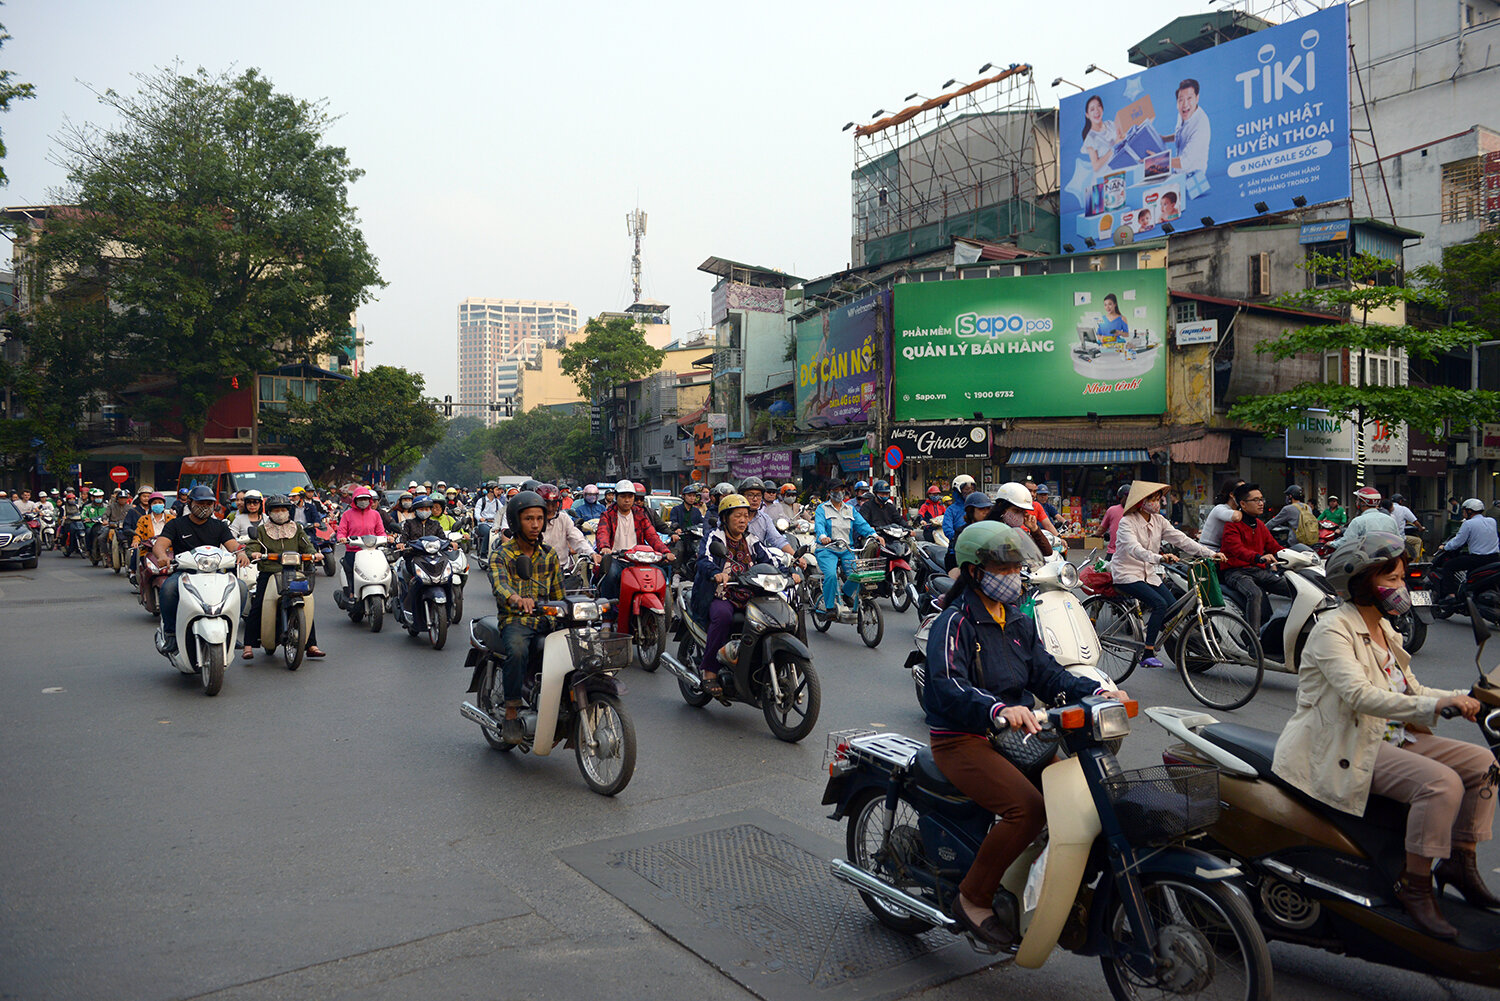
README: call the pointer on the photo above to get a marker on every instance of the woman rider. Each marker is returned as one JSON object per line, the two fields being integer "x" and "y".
{"x": 1363, "y": 726}
{"x": 983, "y": 656}
{"x": 247, "y": 521}
{"x": 977, "y": 507}
{"x": 277, "y": 534}
{"x": 713, "y": 602}
{"x": 1014, "y": 507}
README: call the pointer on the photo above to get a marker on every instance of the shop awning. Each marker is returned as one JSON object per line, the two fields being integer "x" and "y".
{"x": 1077, "y": 457}
{"x": 1210, "y": 450}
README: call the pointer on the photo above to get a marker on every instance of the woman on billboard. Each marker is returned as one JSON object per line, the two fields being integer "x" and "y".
{"x": 1099, "y": 135}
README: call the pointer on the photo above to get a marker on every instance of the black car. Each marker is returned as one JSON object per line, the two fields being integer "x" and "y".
{"x": 18, "y": 544}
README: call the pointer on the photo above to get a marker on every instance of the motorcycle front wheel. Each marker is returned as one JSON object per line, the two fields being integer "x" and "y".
{"x": 116, "y": 561}
{"x": 609, "y": 761}
{"x": 213, "y": 670}
{"x": 1413, "y": 631}
{"x": 375, "y": 612}
{"x": 437, "y": 625}
{"x": 792, "y": 716}
{"x": 871, "y": 623}
{"x": 1210, "y": 946}
{"x": 294, "y": 643}
{"x": 901, "y": 589}
{"x": 330, "y": 564}
{"x": 866, "y": 843}
{"x": 650, "y": 630}
{"x": 456, "y": 610}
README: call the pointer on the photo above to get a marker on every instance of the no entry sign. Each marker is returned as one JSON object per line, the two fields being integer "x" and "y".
{"x": 119, "y": 474}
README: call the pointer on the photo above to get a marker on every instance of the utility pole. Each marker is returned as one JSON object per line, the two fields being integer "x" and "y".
{"x": 635, "y": 225}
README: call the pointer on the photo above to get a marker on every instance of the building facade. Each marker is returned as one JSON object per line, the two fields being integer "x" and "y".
{"x": 496, "y": 332}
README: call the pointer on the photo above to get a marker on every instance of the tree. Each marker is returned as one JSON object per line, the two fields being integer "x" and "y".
{"x": 547, "y": 445}
{"x": 219, "y": 218}
{"x": 1470, "y": 276}
{"x": 10, "y": 90}
{"x": 1364, "y": 286}
{"x": 379, "y": 418}
{"x": 610, "y": 352}
{"x": 456, "y": 457}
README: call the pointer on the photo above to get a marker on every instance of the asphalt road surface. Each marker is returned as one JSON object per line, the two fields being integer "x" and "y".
{"x": 341, "y": 832}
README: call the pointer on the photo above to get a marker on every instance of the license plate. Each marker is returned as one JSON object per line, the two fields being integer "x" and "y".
{"x": 1421, "y": 597}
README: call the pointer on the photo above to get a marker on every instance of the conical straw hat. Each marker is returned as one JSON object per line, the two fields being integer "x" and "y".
{"x": 1140, "y": 490}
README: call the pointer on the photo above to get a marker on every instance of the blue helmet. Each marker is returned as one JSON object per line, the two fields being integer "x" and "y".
{"x": 978, "y": 498}
{"x": 422, "y": 501}
{"x": 861, "y": 485}
{"x": 201, "y": 492}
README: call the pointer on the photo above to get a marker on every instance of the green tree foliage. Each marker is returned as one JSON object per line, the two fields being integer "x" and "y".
{"x": 62, "y": 381}
{"x": 219, "y": 218}
{"x": 10, "y": 90}
{"x": 378, "y": 418}
{"x": 455, "y": 458}
{"x": 610, "y": 352}
{"x": 547, "y": 445}
{"x": 1470, "y": 276}
{"x": 1365, "y": 286}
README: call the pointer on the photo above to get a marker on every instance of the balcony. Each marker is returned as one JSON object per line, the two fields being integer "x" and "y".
{"x": 728, "y": 360}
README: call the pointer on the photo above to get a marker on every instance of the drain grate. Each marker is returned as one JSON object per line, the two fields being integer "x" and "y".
{"x": 752, "y": 894}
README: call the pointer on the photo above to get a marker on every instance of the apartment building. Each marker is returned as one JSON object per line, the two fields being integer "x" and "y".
{"x": 499, "y": 332}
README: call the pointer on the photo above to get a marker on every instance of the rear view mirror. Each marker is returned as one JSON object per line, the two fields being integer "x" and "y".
{"x": 1481, "y": 627}
{"x": 716, "y": 547}
{"x": 523, "y": 567}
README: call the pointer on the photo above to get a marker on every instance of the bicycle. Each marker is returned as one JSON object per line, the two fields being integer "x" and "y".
{"x": 1216, "y": 653}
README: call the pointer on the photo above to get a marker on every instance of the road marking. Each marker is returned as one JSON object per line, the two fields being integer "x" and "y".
{"x": 52, "y": 691}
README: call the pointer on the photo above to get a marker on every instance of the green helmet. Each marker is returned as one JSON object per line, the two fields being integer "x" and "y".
{"x": 995, "y": 541}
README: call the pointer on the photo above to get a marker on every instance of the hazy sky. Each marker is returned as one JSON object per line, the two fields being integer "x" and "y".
{"x": 503, "y": 143}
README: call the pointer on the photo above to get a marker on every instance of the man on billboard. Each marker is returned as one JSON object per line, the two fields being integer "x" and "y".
{"x": 1190, "y": 137}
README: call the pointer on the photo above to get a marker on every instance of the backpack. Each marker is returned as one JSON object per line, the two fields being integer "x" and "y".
{"x": 1307, "y": 525}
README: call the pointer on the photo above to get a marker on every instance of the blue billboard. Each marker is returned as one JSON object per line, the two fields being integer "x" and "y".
{"x": 1264, "y": 118}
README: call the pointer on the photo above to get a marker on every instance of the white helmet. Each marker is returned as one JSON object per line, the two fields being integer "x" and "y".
{"x": 1473, "y": 504}
{"x": 962, "y": 480}
{"x": 625, "y": 487}
{"x": 1015, "y": 494}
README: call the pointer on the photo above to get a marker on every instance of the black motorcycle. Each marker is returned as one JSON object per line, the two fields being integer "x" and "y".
{"x": 428, "y": 593}
{"x": 893, "y": 544}
{"x": 74, "y": 535}
{"x": 927, "y": 562}
{"x": 1449, "y": 590}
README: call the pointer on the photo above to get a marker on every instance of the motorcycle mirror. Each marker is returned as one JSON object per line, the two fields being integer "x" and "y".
{"x": 1481, "y": 627}
{"x": 716, "y": 547}
{"x": 523, "y": 567}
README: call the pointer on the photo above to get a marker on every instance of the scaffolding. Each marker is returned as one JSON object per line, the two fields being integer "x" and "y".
{"x": 979, "y": 160}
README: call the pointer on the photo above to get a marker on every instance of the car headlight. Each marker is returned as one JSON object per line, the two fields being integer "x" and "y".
{"x": 23, "y": 536}
{"x": 1111, "y": 721}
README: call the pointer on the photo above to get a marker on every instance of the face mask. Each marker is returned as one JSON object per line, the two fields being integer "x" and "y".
{"x": 281, "y": 517}
{"x": 362, "y": 504}
{"x": 1002, "y": 587}
{"x": 406, "y": 505}
{"x": 202, "y": 511}
{"x": 423, "y": 514}
{"x": 1014, "y": 517}
{"x": 158, "y": 508}
{"x": 1151, "y": 507}
{"x": 837, "y": 497}
{"x": 1394, "y": 601}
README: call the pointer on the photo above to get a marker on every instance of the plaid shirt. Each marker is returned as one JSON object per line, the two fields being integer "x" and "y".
{"x": 545, "y": 583}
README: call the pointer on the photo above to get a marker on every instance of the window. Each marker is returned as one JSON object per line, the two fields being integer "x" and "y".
{"x": 1460, "y": 192}
{"x": 1184, "y": 312}
{"x": 1260, "y": 274}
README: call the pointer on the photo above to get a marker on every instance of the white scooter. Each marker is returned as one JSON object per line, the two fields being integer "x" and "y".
{"x": 460, "y": 561}
{"x": 374, "y": 582}
{"x": 208, "y": 615}
{"x": 1286, "y": 629}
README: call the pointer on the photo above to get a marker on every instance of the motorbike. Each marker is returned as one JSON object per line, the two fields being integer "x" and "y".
{"x": 429, "y": 590}
{"x": 149, "y": 577}
{"x": 1413, "y": 624}
{"x": 208, "y": 614}
{"x": 374, "y": 582}
{"x": 865, "y": 614}
{"x": 1110, "y": 877}
{"x": 95, "y": 537}
{"x": 460, "y": 561}
{"x": 929, "y": 559}
{"x": 1285, "y": 630}
{"x": 117, "y": 542}
{"x": 47, "y": 530}
{"x": 763, "y": 663}
{"x": 893, "y": 545}
{"x": 323, "y": 541}
{"x": 643, "y": 613}
{"x": 571, "y": 697}
{"x": 74, "y": 536}
{"x": 1324, "y": 878}
{"x": 1450, "y": 590}
{"x": 287, "y": 611}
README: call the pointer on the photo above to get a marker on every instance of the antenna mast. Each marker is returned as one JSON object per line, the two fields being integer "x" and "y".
{"x": 635, "y": 225}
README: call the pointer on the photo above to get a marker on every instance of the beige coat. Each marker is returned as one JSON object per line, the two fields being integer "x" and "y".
{"x": 1343, "y": 702}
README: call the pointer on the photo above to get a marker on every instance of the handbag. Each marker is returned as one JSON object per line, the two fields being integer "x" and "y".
{"x": 1029, "y": 752}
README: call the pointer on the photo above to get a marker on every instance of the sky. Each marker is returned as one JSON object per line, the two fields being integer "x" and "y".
{"x": 504, "y": 143}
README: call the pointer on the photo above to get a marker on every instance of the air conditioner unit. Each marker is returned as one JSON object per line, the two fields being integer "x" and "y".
{"x": 244, "y": 434}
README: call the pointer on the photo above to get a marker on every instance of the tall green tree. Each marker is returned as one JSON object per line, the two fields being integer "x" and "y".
{"x": 1470, "y": 277}
{"x": 62, "y": 380}
{"x": 547, "y": 445}
{"x": 10, "y": 90}
{"x": 219, "y": 217}
{"x": 610, "y": 352}
{"x": 379, "y": 418}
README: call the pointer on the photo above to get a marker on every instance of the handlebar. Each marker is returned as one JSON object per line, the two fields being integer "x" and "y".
{"x": 1449, "y": 712}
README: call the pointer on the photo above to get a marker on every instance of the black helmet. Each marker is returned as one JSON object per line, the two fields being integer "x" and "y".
{"x": 1122, "y": 493}
{"x": 750, "y": 483}
{"x": 1294, "y": 491}
{"x": 279, "y": 500}
{"x": 519, "y": 503}
{"x": 201, "y": 492}
{"x": 882, "y": 487}
{"x": 531, "y": 485}
{"x": 1398, "y": 498}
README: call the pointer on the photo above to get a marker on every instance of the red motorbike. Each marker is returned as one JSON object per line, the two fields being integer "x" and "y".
{"x": 643, "y": 603}
{"x": 149, "y": 578}
{"x": 1328, "y": 533}
{"x": 893, "y": 544}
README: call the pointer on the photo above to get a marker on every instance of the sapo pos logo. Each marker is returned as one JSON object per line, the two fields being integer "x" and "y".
{"x": 975, "y": 325}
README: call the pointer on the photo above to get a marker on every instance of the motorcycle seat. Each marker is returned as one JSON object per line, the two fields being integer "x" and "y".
{"x": 487, "y": 631}
{"x": 1257, "y": 748}
{"x": 931, "y": 777}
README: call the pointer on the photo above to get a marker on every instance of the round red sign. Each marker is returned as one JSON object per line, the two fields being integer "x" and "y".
{"x": 119, "y": 474}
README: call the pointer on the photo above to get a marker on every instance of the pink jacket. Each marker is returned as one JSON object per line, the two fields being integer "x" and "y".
{"x": 355, "y": 523}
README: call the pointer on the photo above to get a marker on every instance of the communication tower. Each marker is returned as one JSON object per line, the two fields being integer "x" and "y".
{"x": 635, "y": 225}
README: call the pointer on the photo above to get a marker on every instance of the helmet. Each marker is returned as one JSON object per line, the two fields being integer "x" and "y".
{"x": 442, "y": 483}
{"x": 451, "y": 491}
{"x": 438, "y": 500}
{"x": 691, "y": 489}
{"x": 122, "y": 492}
{"x": 591, "y": 490}
{"x": 548, "y": 493}
{"x": 405, "y": 495}
{"x": 427, "y": 485}
{"x": 789, "y": 488}
{"x": 640, "y": 489}
{"x": 1294, "y": 491}
{"x": 731, "y": 501}
{"x": 520, "y": 502}
{"x": 1473, "y": 504}
{"x": 96, "y": 492}
{"x": 723, "y": 489}
{"x": 623, "y": 487}
{"x": 882, "y": 487}
{"x": 1015, "y": 494}
{"x": 278, "y": 501}
{"x": 43, "y": 493}
{"x": 1043, "y": 490}
{"x": 1367, "y": 496}
{"x": 750, "y": 483}
{"x": 962, "y": 480}
{"x": 861, "y": 485}
{"x": 254, "y": 495}
{"x": 933, "y": 491}
{"x": 531, "y": 485}
{"x": 201, "y": 493}
{"x": 412, "y": 486}
{"x": 995, "y": 541}
{"x": 297, "y": 490}
{"x": 1350, "y": 560}
{"x": 512, "y": 491}
{"x": 154, "y": 496}
{"x": 979, "y": 499}
{"x": 422, "y": 501}
{"x": 1122, "y": 493}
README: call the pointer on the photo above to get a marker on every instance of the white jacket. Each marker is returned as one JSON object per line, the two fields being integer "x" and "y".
{"x": 1138, "y": 544}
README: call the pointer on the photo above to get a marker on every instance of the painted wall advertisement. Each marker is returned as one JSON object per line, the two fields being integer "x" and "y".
{"x": 838, "y": 356}
{"x": 1035, "y": 346}
{"x": 1259, "y": 119}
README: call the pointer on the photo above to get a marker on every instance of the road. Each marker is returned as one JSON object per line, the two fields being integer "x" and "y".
{"x": 342, "y": 832}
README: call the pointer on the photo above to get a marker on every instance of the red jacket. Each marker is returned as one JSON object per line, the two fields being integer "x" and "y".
{"x": 645, "y": 534}
{"x": 1245, "y": 544}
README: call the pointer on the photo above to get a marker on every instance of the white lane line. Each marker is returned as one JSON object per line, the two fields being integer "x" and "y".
{"x": 53, "y": 691}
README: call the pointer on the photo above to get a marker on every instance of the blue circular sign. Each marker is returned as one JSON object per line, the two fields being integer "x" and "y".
{"x": 893, "y": 457}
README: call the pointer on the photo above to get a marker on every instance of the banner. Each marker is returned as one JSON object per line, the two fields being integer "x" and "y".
{"x": 1037, "y": 346}
{"x": 942, "y": 441}
{"x": 1262, "y": 118}
{"x": 837, "y": 360}
{"x": 777, "y": 466}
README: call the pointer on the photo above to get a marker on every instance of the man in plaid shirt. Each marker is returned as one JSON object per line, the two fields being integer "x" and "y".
{"x": 516, "y": 596}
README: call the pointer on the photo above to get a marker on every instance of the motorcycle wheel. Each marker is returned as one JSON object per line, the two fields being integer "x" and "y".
{"x": 213, "y": 671}
{"x": 871, "y": 623}
{"x": 294, "y": 643}
{"x": 330, "y": 564}
{"x": 901, "y": 584}
{"x": 1208, "y": 939}
{"x": 608, "y": 766}
{"x": 793, "y": 716}
{"x": 116, "y": 561}
{"x": 864, "y": 839}
{"x": 456, "y": 609}
{"x": 96, "y": 557}
{"x": 486, "y": 700}
{"x": 650, "y": 630}
{"x": 437, "y": 626}
{"x": 149, "y": 600}
{"x": 1413, "y": 632}
{"x": 1121, "y": 636}
{"x": 687, "y": 653}
{"x": 1220, "y": 660}
{"x": 375, "y": 612}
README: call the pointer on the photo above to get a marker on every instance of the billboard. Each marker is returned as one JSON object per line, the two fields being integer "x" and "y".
{"x": 1263, "y": 118}
{"x": 1320, "y": 435}
{"x": 838, "y": 356}
{"x": 1034, "y": 346}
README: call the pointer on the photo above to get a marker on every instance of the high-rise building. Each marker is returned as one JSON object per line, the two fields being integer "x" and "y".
{"x": 494, "y": 332}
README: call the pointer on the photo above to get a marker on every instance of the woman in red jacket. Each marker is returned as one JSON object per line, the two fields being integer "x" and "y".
{"x": 1250, "y": 556}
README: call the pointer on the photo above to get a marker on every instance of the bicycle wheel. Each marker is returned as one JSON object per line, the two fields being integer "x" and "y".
{"x": 1121, "y": 635}
{"x": 1220, "y": 659}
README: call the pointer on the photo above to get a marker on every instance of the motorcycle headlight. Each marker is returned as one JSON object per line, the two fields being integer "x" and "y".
{"x": 585, "y": 611}
{"x": 1111, "y": 721}
{"x": 768, "y": 581}
{"x": 768, "y": 613}
{"x": 1067, "y": 576}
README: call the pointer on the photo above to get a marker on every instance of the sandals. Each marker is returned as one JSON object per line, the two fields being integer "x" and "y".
{"x": 711, "y": 686}
{"x": 249, "y": 654}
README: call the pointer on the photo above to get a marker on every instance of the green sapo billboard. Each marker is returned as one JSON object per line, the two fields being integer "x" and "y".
{"x": 1033, "y": 346}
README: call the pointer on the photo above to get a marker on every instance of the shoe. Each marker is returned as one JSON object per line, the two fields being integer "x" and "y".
{"x": 315, "y": 652}
{"x": 1151, "y": 660}
{"x": 1461, "y": 869}
{"x": 513, "y": 731}
{"x": 990, "y": 931}
{"x": 1414, "y": 891}
{"x": 249, "y": 654}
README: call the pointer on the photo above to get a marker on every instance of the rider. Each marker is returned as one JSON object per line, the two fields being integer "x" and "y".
{"x": 1250, "y": 551}
{"x": 180, "y": 505}
{"x": 68, "y": 512}
{"x": 1363, "y": 724}
{"x": 94, "y": 518}
{"x": 762, "y": 525}
{"x": 590, "y": 507}
{"x": 861, "y": 494}
{"x": 1136, "y": 567}
{"x": 623, "y": 527}
{"x": 1014, "y": 507}
{"x": 359, "y": 519}
{"x": 1368, "y": 519}
{"x": 1335, "y": 512}
{"x": 23, "y": 502}
{"x": 440, "y": 515}
{"x": 251, "y": 514}
{"x": 932, "y": 510}
{"x": 561, "y": 532}
{"x": 880, "y": 511}
{"x": 718, "y": 493}
{"x": 400, "y": 514}
{"x": 181, "y": 535}
{"x": 486, "y": 509}
{"x": 785, "y": 505}
{"x": 1292, "y": 508}
{"x": 977, "y": 507}
{"x": 713, "y": 603}
{"x": 984, "y": 657}
{"x": 686, "y": 516}
{"x": 1225, "y": 510}
{"x": 1043, "y": 517}
{"x": 516, "y": 594}
{"x": 1479, "y": 534}
{"x": 963, "y": 485}
{"x": 418, "y": 526}
{"x": 276, "y": 534}
{"x": 837, "y": 521}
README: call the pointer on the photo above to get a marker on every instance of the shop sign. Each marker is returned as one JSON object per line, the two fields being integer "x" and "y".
{"x": 853, "y": 460}
{"x": 703, "y": 443}
{"x": 1489, "y": 442}
{"x": 1425, "y": 456}
{"x": 1202, "y": 332}
{"x": 1320, "y": 435}
{"x": 943, "y": 441}
{"x": 767, "y": 465}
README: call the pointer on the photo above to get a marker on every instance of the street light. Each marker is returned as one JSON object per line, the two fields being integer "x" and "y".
{"x": 1070, "y": 83}
{"x": 1101, "y": 69}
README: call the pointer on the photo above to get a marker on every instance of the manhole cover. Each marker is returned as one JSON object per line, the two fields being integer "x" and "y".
{"x": 752, "y": 894}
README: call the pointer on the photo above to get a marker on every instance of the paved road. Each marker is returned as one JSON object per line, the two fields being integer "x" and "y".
{"x": 342, "y": 832}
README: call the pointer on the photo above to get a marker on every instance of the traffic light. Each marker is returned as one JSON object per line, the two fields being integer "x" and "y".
{"x": 448, "y": 406}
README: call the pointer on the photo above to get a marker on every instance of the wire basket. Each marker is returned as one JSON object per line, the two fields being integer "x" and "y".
{"x": 838, "y": 744}
{"x": 1165, "y": 803}
{"x": 868, "y": 574}
{"x": 598, "y": 650}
